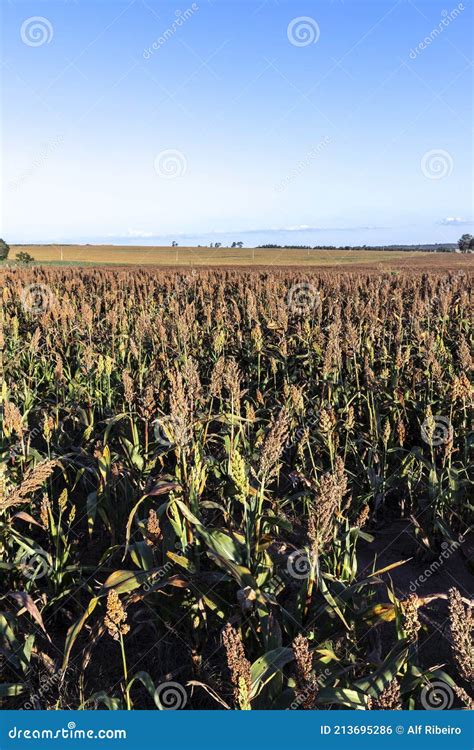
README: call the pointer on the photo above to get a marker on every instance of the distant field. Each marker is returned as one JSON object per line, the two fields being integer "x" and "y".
{"x": 205, "y": 256}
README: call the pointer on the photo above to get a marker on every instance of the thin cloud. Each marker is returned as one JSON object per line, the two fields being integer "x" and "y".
{"x": 139, "y": 233}
{"x": 455, "y": 221}
{"x": 136, "y": 233}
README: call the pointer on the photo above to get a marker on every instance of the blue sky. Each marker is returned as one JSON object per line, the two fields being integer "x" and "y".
{"x": 306, "y": 122}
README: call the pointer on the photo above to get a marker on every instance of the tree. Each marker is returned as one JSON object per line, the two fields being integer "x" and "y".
{"x": 174, "y": 244}
{"x": 466, "y": 243}
{"x": 4, "y": 250}
{"x": 24, "y": 258}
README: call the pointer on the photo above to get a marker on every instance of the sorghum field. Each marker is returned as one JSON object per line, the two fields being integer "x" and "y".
{"x": 235, "y": 489}
{"x": 218, "y": 257}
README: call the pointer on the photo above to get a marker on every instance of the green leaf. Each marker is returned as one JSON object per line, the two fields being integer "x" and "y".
{"x": 383, "y": 676}
{"x": 146, "y": 681}
{"x": 124, "y": 580}
{"x": 91, "y": 505}
{"x": 142, "y": 555}
{"x": 110, "y": 702}
{"x": 226, "y": 547}
{"x": 332, "y": 602}
{"x": 111, "y": 423}
{"x": 74, "y": 631}
{"x": 27, "y": 602}
{"x": 10, "y": 689}
{"x": 128, "y": 527}
{"x": 264, "y": 668}
{"x": 354, "y": 699}
{"x": 182, "y": 561}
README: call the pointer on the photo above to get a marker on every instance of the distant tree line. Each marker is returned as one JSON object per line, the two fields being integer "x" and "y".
{"x": 215, "y": 244}
{"x": 464, "y": 245}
